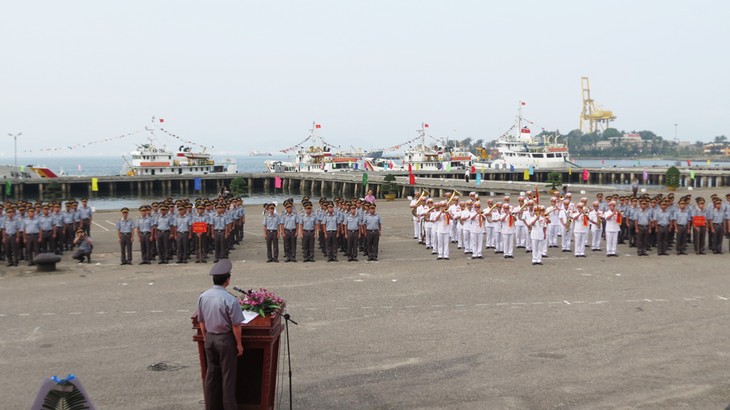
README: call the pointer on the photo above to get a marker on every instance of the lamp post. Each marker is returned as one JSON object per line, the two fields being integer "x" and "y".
{"x": 15, "y": 138}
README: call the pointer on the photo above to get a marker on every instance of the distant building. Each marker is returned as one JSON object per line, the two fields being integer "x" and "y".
{"x": 605, "y": 144}
{"x": 717, "y": 149}
{"x": 632, "y": 138}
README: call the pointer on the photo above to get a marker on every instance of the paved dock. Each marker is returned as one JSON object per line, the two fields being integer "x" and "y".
{"x": 407, "y": 332}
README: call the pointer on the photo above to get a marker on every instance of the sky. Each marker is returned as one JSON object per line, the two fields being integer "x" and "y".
{"x": 247, "y": 75}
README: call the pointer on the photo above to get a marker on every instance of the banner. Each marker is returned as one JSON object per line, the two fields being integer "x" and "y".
{"x": 197, "y": 184}
{"x": 570, "y": 170}
{"x": 526, "y": 175}
{"x": 532, "y": 170}
{"x": 479, "y": 178}
{"x": 364, "y": 180}
{"x": 94, "y": 184}
{"x": 511, "y": 168}
{"x": 645, "y": 176}
{"x": 585, "y": 175}
{"x": 411, "y": 178}
{"x": 692, "y": 174}
{"x": 8, "y": 188}
{"x": 200, "y": 227}
{"x": 277, "y": 182}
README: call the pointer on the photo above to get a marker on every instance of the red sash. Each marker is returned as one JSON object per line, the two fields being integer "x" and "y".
{"x": 618, "y": 219}
{"x": 511, "y": 221}
{"x": 585, "y": 220}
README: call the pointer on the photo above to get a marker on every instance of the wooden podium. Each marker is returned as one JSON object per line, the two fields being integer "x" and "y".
{"x": 256, "y": 380}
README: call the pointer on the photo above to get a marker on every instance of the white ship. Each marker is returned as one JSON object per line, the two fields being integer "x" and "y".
{"x": 436, "y": 158}
{"x": 315, "y": 156}
{"x": 150, "y": 160}
{"x": 522, "y": 150}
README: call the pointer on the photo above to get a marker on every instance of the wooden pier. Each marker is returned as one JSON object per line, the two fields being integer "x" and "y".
{"x": 350, "y": 183}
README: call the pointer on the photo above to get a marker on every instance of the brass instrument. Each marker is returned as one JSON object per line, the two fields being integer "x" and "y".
{"x": 414, "y": 211}
{"x": 455, "y": 193}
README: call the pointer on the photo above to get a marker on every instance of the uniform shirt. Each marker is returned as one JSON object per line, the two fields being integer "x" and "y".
{"x": 443, "y": 224}
{"x": 125, "y": 225}
{"x": 309, "y": 222}
{"x": 289, "y": 220}
{"x": 538, "y": 229}
{"x": 642, "y": 217}
{"x": 58, "y": 219}
{"x": 68, "y": 216}
{"x": 201, "y": 218}
{"x": 717, "y": 216}
{"x": 3, "y": 217}
{"x": 12, "y": 226}
{"x": 144, "y": 224}
{"x": 581, "y": 222}
{"x": 46, "y": 222}
{"x": 219, "y": 221}
{"x": 682, "y": 217}
{"x": 219, "y": 310}
{"x": 372, "y": 222}
{"x": 595, "y": 218}
{"x": 84, "y": 245}
{"x": 163, "y": 222}
{"x": 612, "y": 224}
{"x": 182, "y": 223}
{"x": 662, "y": 218}
{"x": 31, "y": 226}
{"x": 271, "y": 222}
{"x": 352, "y": 222}
{"x": 330, "y": 222}
{"x": 85, "y": 212}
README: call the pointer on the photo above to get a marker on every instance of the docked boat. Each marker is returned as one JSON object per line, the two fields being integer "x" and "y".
{"x": 150, "y": 160}
{"x": 425, "y": 157}
{"x": 259, "y": 154}
{"x": 521, "y": 150}
{"x": 315, "y": 155}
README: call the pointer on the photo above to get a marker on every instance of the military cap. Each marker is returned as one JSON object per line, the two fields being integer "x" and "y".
{"x": 372, "y": 205}
{"x": 308, "y": 205}
{"x": 200, "y": 206}
{"x": 164, "y": 207}
{"x": 220, "y": 206}
{"x": 222, "y": 267}
{"x": 84, "y": 199}
{"x": 46, "y": 206}
{"x": 125, "y": 209}
{"x": 79, "y": 230}
{"x": 270, "y": 206}
{"x": 142, "y": 208}
{"x": 288, "y": 205}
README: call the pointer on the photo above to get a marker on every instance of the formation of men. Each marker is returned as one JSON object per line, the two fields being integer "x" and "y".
{"x": 343, "y": 226}
{"x": 27, "y": 229}
{"x": 642, "y": 222}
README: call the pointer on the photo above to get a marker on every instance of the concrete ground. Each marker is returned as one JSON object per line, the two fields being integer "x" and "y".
{"x": 408, "y": 332}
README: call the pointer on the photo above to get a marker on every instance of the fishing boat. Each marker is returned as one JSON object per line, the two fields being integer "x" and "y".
{"x": 151, "y": 160}
{"x": 519, "y": 149}
{"x": 259, "y": 154}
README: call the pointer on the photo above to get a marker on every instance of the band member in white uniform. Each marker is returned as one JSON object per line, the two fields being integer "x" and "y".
{"x": 465, "y": 216}
{"x": 595, "y": 216}
{"x": 553, "y": 214}
{"x": 489, "y": 225}
{"x": 538, "y": 230}
{"x": 442, "y": 221}
{"x": 497, "y": 222}
{"x": 415, "y": 203}
{"x": 521, "y": 234}
{"x": 453, "y": 208}
{"x": 508, "y": 231}
{"x": 613, "y": 227}
{"x": 424, "y": 213}
{"x": 580, "y": 229}
{"x": 566, "y": 225}
{"x": 477, "y": 232}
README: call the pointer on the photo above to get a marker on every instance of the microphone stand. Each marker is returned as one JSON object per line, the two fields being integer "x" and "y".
{"x": 288, "y": 319}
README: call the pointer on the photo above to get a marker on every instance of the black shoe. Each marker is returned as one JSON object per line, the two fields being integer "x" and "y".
{"x": 269, "y": 260}
{"x": 444, "y": 258}
{"x": 438, "y": 259}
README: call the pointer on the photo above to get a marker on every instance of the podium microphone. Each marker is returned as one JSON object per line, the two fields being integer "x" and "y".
{"x": 237, "y": 289}
{"x": 288, "y": 319}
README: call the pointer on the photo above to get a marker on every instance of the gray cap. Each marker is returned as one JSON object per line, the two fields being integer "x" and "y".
{"x": 221, "y": 267}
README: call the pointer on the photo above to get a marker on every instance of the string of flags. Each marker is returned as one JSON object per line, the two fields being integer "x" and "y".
{"x": 181, "y": 139}
{"x": 83, "y": 145}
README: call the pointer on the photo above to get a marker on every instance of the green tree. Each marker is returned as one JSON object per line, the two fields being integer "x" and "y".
{"x": 238, "y": 185}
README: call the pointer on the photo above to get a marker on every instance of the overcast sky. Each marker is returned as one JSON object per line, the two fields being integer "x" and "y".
{"x": 254, "y": 75}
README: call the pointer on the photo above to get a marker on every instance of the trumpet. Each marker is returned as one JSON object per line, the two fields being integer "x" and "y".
{"x": 455, "y": 193}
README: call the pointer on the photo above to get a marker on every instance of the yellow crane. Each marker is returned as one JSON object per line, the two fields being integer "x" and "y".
{"x": 593, "y": 118}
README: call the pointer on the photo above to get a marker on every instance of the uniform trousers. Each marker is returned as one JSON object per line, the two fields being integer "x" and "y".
{"x": 508, "y": 243}
{"x": 86, "y": 226}
{"x": 459, "y": 234}
{"x": 580, "y": 242}
{"x": 68, "y": 235}
{"x": 48, "y": 244}
{"x": 566, "y": 238}
{"x": 596, "y": 233}
{"x": 453, "y": 232}
{"x": 272, "y": 246}
{"x": 443, "y": 245}
{"x": 417, "y": 230}
{"x": 717, "y": 235}
{"x": 2, "y": 245}
{"x": 182, "y": 240}
{"x": 662, "y": 235}
{"x": 331, "y": 245}
{"x": 290, "y": 244}
{"x": 611, "y": 241}
{"x": 521, "y": 235}
{"x": 125, "y": 245}
{"x": 31, "y": 246}
{"x": 477, "y": 241}
{"x": 352, "y": 238}
{"x": 553, "y": 230}
{"x": 60, "y": 240}
{"x": 163, "y": 245}
{"x": 145, "y": 247}
{"x": 308, "y": 245}
{"x": 219, "y": 241}
{"x": 373, "y": 241}
{"x": 466, "y": 239}
{"x": 498, "y": 241}
{"x": 642, "y": 239}
{"x": 434, "y": 239}
{"x": 11, "y": 249}
{"x": 490, "y": 236}
{"x": 681, "y": 239}
{"x": 699, "y": 236}
{"x": 429, "y": 231}
{"x": 537, "y": 244}
{"x": 221, "y": 355}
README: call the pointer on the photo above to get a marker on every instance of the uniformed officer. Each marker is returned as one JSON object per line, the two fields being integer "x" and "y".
{"x": 681, "y": 224}
{"x": 2, "y": 228}
{"x": 220, "y": 317}
{"x": 11, "y": 228}
{"x": 182, "y": 234}
{"x": 144, "y": 235}
{"x": 125, "y": 230}
{"x": 700, "y": 217}
{"x": 161, "y": 234}
{"x": 69, "y": 226}
{"x": 373, "y": 227}
{"x": 642, "y": 227}
{"x": 717, "y": 226}
{"x": 58, "y": 227}
{"x": 309, "y": 227}
{"x": 662, "y": 226}
{"x": 352, "y": 230}
{"x": 331, "y": 224}
{"x": 290, "y": 222}
{"x": 272, "y": 231}
{"x": 48, "y": 230}
{"x": 201, "y": 238}
{"x": 31, "y": 235}
{"x": 85, "y": 214}
{"x": 220, "y": 227}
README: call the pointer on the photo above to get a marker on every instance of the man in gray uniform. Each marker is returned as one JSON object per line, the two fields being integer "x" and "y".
{"x": 11, "y": 229}
{"x": 182, "y": 234}
{"x": 48, "y": 230}
{"x": 85, "y": 214}
{"x": 290, "y": 222}
{"x": 352, "y": 230}
{"x": 31, "y": 231}
{"x": 331, "y": 224}
{"x": 642, "y": 227}
{"x": 125, "y": 227}
{"x": 662, "y": 225}
{"x": 220, "y": 318}
{"x": 373, "y": 227}
{"x": 271, "y": 233}
{"x": 681, "y": 224}
{"x": 309, "y": 226}
{"x": 161, "y": 233}
{"x": 220, "y": 232}
{"x": 144, "y": 234}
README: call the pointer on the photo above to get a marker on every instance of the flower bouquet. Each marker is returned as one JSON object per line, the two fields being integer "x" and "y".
{"x": 261, "y": 301}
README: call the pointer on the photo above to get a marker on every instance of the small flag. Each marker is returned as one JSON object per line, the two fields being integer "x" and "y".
{"x": 708, "y": 162}
{"x": 479, "y": 178}
{"x": 448, "y": 166}
{"x": 277, "y": 182}
{"x": 364, "y": 179}
{"x": 689, "y": 163}
{"x": 411, "y": 179}
{"x": 522, "y": 102}
{"x": 94, "y": 184}
{"x": 162, "y": 120}
{"x": 646, "y": 175}
{"x": 425, "y": 125}
{"x": 317, "y": 125}
{"x": 532, "y": 170}
{"x": 526, "y": 175}
{"x": 692, "y": 174}
{"x": 410, "y": 168}
{"x": 8, "y": 188}
{"x": 570, "y": 170}
{"x": 473, "y": 169}
{"x": 511, "y": 168}
{"x": 197, "y": 184}
{"x": 585, "y": 174}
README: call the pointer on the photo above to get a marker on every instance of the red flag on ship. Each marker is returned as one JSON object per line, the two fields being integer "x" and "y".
{"x": 425, "y": 125}
{"x": 411, "y": 178}
{"x": 162, "y": 120}
{"x": 522, "y": 102}
{"x": 317, "y": 125}
{"x": 689, "y": 163}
